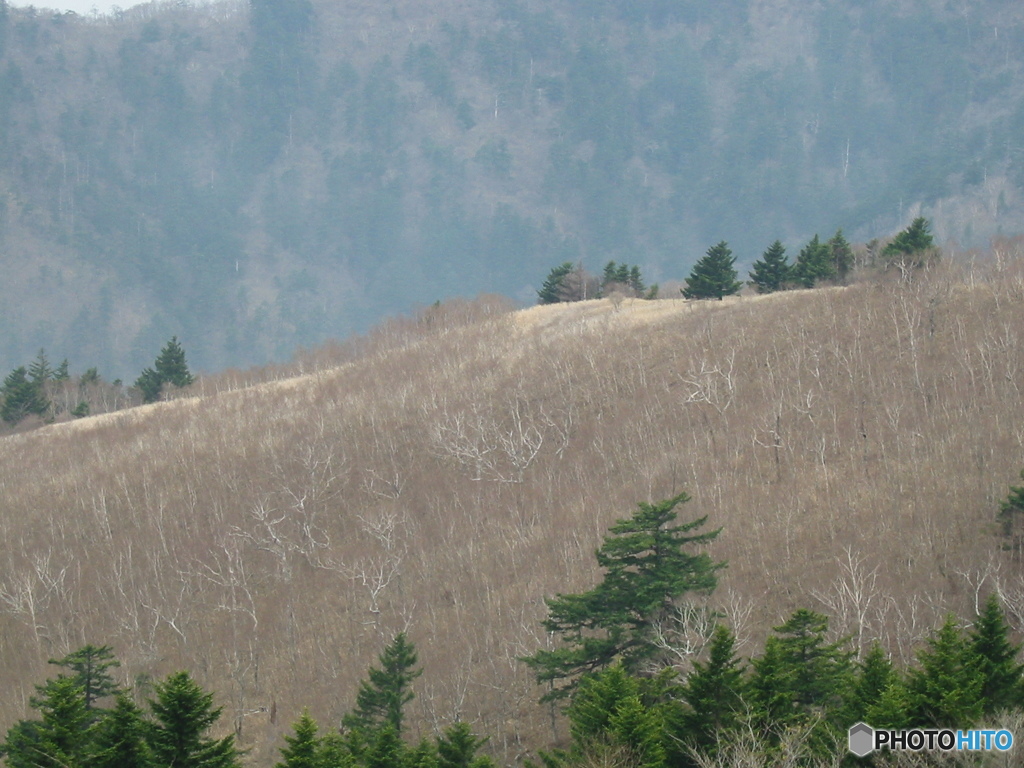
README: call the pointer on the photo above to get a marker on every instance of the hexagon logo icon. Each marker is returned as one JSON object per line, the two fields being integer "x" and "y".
{"x": 862, "y": 739}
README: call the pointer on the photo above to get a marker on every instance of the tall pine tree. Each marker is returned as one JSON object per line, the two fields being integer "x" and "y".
{"x": 646, "y": 569}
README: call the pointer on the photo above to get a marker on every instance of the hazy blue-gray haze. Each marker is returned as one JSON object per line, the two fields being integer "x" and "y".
{"x": 252, "y": 177}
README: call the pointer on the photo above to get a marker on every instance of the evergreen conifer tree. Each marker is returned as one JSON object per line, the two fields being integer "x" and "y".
{"x": 714, "y": 691}
{"x": 382, "y": 698}
{"x": 772, "y": 271}
{"x": 913, "y": 246}
{"x": 61, "y": 738}
{"x": 714, "y": 275}
{"x": 841, "y": 255}
{"x": 457, "y": 747}
{"x": 814, "y": 264}
{"x": 874, "y": 675}
{"x": 553, "y": 290}
{"x": 21, "y": 397}
{"x": 120, "y": 740}
{"x": 946, "y": 689}
{"x": 170, "y": 368}
{"x": 1011, "y": 519}
{"x": 1001, "y": 687}
{"x": 302, "y": 749}
{"x": 821, "y": 670}
{"x": 646, "y": 570}
{"x": 183, "y": 714}
{"x": 90, "y": 664}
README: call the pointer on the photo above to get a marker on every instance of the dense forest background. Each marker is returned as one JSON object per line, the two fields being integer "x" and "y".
{"x": 253, "y": 177}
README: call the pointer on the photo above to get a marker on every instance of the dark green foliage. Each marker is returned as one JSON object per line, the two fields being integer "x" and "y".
{"x": 1011, "y": 519}
{"x": 90, "y": 664}
{"x": 714, "y": 275}
{"x": 39, "y": 371}
{"x": 615, "y": 709}
{"x": 622, "y": 277}
{"x": 874, "y": 675}
{"x": 458, "y": 746}
{"x": 1001, "y": 687}
{"x": 821, "y": 670}
{"x": 381, "y": 699}
{"x": 771, "y": 687}
{"x": 814, "y": 264}
{"x": 170, "y": 368}
{"x": 120, "y": 737}
{"x": 914, "y": 245}
{"x": 302, "y": 748}
{"x": 840, "y": 255}
{"x": 646, "y": 569}
{"x": 946, "y": 688}
{"x": 714, "y": 692}
{"x": 182, "y": 715}
{"x": 553, "y": 290}
{"x": 61, "y": 738}
{"x": 772, "y": 271}
{"x": 21, "y": 397}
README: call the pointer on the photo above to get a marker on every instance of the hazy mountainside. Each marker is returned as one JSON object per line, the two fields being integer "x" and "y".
{"x": 256, "y": 176}
{"x": 447, "y": 473}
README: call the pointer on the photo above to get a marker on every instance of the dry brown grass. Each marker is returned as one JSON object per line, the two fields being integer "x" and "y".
{"x": 448, "y": 473}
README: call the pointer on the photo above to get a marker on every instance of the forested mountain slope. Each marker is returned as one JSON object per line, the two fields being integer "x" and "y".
{"x": 446, "y": 474}
{"x": 256, "y": 176}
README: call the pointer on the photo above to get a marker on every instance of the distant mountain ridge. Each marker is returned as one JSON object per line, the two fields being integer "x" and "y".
{"x": 255, "y": 177}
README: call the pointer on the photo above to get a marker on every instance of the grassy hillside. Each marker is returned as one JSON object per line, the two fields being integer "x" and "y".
{"x": 446, "y": 473}
{"x": 255, "y": 176}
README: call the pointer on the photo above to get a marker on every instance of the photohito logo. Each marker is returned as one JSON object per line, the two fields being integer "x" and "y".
{"x": 863, "y": 740}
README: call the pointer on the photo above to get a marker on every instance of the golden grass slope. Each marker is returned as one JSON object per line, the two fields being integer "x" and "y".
{"x": 449, "y": 473}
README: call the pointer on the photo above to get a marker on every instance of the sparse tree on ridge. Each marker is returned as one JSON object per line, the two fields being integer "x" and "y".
{"x": 841, "y": 255}
{"x": 772, "y": 271}
{"x": 170, "y": 368}
{"x": 714, "y": 275}
{"x": 552, "y": 290}
{"x": 814, "y": 264}
{"x": 911, "y": 247}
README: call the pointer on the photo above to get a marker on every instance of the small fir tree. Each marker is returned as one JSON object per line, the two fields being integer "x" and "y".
{"x": 772, "y": 271}
{"x": 381, "y": 699}
{"x": 182, "y": 715}
{"x": 714, "y": 692}
{"x": 302, "y": 748}
{"x": 914, "y": 246}
{"x": 840, "y": 255}
{"x": 814, "y": 264}
{"x": 121, "y": 737}
{"x": 821, "y": 670}
{"x": 21, "y": 397}
{"x": 1001, "y": 687}
{"x": 170, "y": 368}
{"x": 1011, "y": 519}
{"x": 946, "y": 689}
{"x": 61, "y": 738}
{"x": 714, "y": 275}
{"x": 874, "y": 675}
{"x": 457, "y": 747}
{"x": 90, "y": 664}
{"x": 552, "y": 292}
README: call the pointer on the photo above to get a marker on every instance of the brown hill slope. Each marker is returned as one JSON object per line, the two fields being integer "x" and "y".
{"x": 452, "y": 472}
